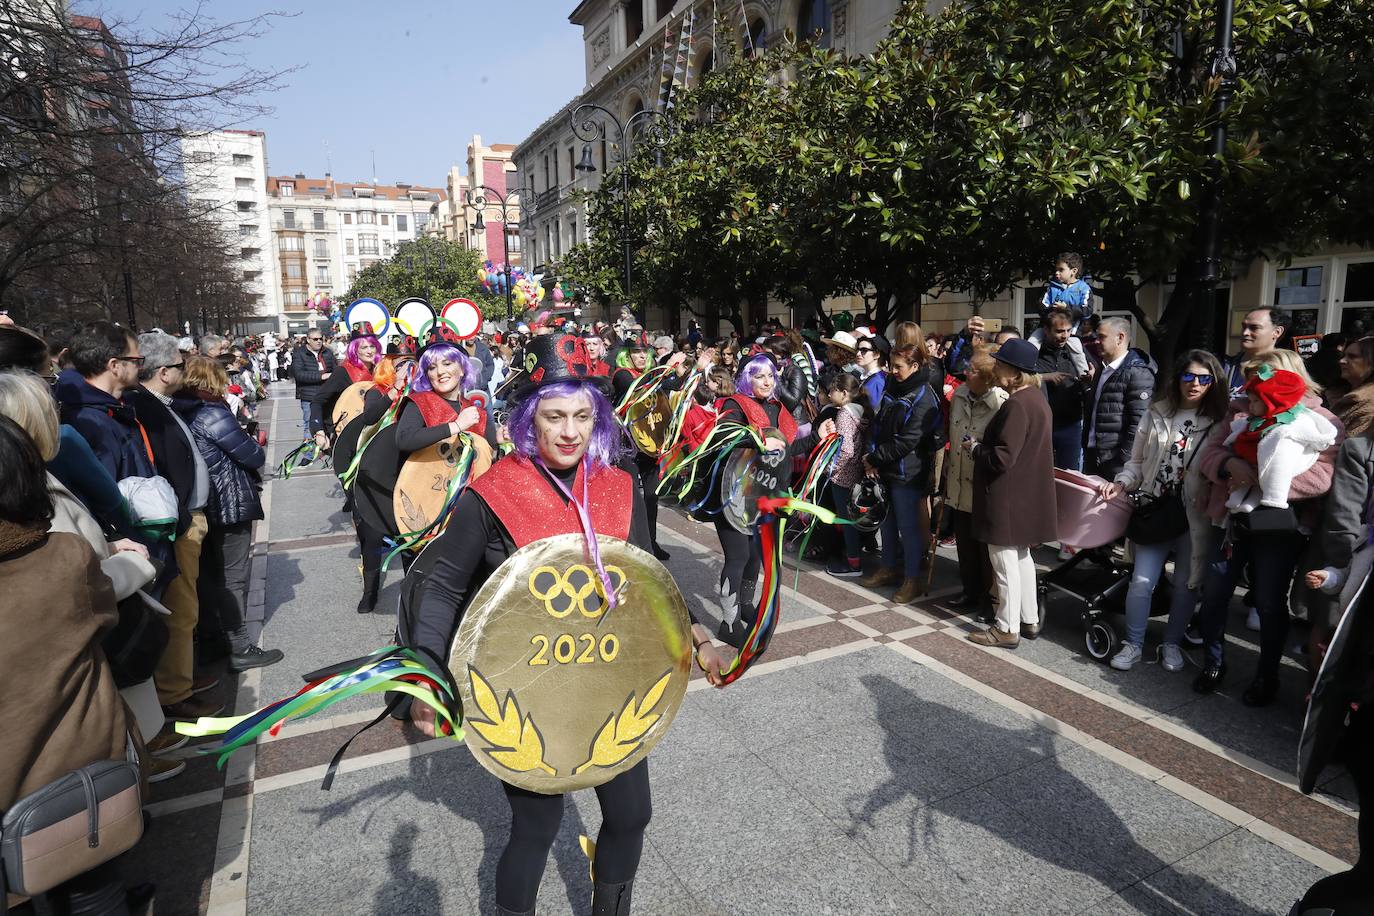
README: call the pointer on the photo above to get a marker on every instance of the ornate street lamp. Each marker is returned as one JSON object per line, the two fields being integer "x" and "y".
{"x": 480, "y": 198}
{"x": 651, "y": 126}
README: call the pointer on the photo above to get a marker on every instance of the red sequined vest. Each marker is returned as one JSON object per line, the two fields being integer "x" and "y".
{"x": 436, "y": 411}
{"x": 758, "y": 417}
{"x": 530, "y": 507}
{"x": 358, "y": 374}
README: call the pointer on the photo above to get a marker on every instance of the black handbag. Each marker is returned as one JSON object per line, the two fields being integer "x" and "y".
{"x": 135, "y": 645}
{"x": 1162, "y": 518}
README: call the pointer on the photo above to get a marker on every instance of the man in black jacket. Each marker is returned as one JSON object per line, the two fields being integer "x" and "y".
{"x": 310, "y": 366}
{"x": 1064, "y": 390}
{"x": 1120, "y": 396}
{"x": 177, "y": 459}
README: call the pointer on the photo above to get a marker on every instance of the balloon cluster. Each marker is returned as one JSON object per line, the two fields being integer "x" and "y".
{"x": 525, "y": 289}
{"x": 320, "y": 303}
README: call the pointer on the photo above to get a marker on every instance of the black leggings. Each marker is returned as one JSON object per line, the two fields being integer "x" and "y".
{"x": 625, "y": 812}
{"x": 371, "y": 546}
{"x": 647, "y": 466}
{"x": 737, "y": 577}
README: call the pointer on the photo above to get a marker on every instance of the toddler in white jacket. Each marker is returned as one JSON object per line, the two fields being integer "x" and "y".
{"x": 1280, "y": 439}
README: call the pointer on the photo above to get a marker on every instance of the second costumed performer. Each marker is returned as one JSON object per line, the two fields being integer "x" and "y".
{"x": 561, "y": 479}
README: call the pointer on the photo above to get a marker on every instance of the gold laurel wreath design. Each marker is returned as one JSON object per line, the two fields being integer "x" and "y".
{"x": 624, "y": 732}
{"x": 516, "y": 742}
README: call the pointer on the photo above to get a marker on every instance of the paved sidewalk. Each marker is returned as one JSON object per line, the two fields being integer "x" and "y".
{"x": 874, "y": 762}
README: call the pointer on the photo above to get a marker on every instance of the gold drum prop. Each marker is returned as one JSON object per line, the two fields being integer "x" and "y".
{"x": 558, "y": 693}
{"x": 648, "y": 421}
{"x": 422, "y": 484}
{"x": 349, "y": 404}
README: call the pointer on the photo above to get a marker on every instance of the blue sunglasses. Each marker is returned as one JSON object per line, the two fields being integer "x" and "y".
{"x": 1200, "y": 378}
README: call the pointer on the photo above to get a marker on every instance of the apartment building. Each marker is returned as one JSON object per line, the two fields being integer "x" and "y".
{"x": 325, "y": 232}
{"x": 456, "y": 221}
{"x": 226, "y": 176}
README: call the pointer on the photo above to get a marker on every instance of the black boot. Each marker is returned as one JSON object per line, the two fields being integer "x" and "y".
{"x": 502, "y": 911}
{"x": 611, "y": 899}
{"x": 372, "y": 583}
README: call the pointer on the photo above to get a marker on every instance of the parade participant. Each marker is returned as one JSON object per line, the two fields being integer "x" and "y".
{"x": 359, "y": 362}
{"x": 597, "y": 352}
{"x": 566, "y": 448}
{"x": 754, "y": 404}
{"x": 631, "y": 364}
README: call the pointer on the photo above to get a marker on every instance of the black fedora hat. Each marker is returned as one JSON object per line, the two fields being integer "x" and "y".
{"x": 1019, "y": 353}
{"x": 553, "y": 358}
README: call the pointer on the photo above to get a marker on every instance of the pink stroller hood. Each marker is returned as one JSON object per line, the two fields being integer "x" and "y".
{"x": 1084, "y": 519}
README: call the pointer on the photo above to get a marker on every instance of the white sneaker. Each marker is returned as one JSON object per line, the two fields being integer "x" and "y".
{"x": 1253, "y": 622}
{"x": 1127, "y": 658}
{"x": 1171, "y": 657}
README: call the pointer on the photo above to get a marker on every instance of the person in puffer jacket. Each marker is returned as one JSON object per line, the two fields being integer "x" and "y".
{"x": 233, "y": 460}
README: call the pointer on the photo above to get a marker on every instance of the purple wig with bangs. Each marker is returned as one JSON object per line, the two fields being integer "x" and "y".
{"x": 351, "y": 357}
{"x": 472, "y": 375}
{"x": 606, "y": 447}
{"x": 744, "y": 382}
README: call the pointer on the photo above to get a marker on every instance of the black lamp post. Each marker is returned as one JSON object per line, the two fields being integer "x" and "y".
{"x": 652, "y": 126}
{"x": 1222, "y": 69}
{"x": 480, "y": 198}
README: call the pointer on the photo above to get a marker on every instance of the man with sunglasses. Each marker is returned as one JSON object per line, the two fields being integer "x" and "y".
{"x": 105, "y": 363}
{"x": 311, "y": 366}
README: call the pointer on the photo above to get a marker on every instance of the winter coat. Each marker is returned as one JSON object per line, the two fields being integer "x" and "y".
{"x": 808, "y": 368}
{"x": 849, "y": 465}
{"x": 876, "y": 384}
{"x": 1356, "y": 410}
{"x": 906, "y": 432}
{"x": 1076, "y": 297}
{"x": 1013, "y": 475}
{"x": 306, "y": 371}
{"x": 1306, "y": 488}
{"x": 233, "y": 459}
{"x": 127, "y": 570}
{"x": 172, "y": 450}
{"x": 969, "y": 415}
{"x": 1345, "y": 516}
{"x": 65, "y": 711}
{"x": 108, "y": 425}
{"x": 1124, "y": 399}
{"x": 791, "y": 386}
{"x": 1066, "y": 397}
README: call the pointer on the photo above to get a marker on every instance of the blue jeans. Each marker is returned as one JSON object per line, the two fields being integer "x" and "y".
{"x": 1273, "y": 557}
{"x": 1145, "y": 576}
{"x": 853, "y": 542}
{"x": 305, "y": 417}
{"x": 903, "y": 520}
{"x": 1067, "y": 443}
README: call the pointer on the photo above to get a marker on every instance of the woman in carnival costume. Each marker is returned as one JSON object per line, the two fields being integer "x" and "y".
{"x": 561, "y": 476}
{"x": 359, "y": 363}
{"x": 632, "y": 362}
{"x": 754, "y": 404}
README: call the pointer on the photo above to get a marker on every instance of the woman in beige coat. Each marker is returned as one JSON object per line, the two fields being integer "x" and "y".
{"x": 1168, "y": 438}
{"x": 971, "y": 407}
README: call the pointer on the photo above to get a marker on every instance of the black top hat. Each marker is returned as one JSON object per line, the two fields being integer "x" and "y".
{"x": 1018, "y": 352}
{"x": 553, "y": 358}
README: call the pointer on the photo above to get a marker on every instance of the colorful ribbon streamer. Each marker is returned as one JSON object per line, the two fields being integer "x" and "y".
{"x": 413, "y": 672}
{"x": 365, "y": 437}
{"x": 301, "y": 456}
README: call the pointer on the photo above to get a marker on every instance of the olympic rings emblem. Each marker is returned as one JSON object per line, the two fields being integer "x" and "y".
{"x": 575, "y": 588}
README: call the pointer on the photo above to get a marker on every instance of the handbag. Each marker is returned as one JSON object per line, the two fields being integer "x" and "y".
{"x": 135, "y": 644}
{"x": 1162, "y": 518}
{"x": 70, "y": 826}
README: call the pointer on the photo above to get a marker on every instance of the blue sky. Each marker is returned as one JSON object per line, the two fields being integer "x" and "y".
{"x": 412, "y": 80}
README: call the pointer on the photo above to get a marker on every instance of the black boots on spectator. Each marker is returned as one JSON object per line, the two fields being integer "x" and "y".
{"x": 1210, "y": 679}
{"x": 1261, "y": 692}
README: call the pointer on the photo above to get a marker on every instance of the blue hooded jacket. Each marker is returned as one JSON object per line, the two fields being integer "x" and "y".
{"x": 1077, "y": 297}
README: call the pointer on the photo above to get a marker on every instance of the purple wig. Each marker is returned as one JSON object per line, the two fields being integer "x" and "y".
{"x": 606, "y": 447}
{"x": 744, "y": 382}
{"x": 352, "y": 356}
{"x": 472, "y": 375}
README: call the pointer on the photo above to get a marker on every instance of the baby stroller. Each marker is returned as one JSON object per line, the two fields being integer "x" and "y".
{"x": 1094, "y": 576}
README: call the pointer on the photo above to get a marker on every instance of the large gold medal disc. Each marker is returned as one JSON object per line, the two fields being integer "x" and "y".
{"x": 556, "y": 698}
{"x": 350, "y": 404}
{"x": 422, "y": 484}
{"x": 648, "y": 423}
{"x": 748, "y": 475}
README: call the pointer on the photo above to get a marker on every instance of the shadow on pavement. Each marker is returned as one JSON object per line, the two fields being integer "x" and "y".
{"x": 898, "y": 706}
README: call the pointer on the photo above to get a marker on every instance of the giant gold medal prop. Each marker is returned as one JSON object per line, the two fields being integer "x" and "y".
{"x": 649, "y": 422}
{"x": 350, "y": 404}
{"x": 558, "y": 694}
{"x": 749, "y": 475}
{"x": 422, "y": 484}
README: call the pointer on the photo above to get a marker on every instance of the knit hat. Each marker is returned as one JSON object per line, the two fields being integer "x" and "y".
{"x": 1279, "y": 389}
